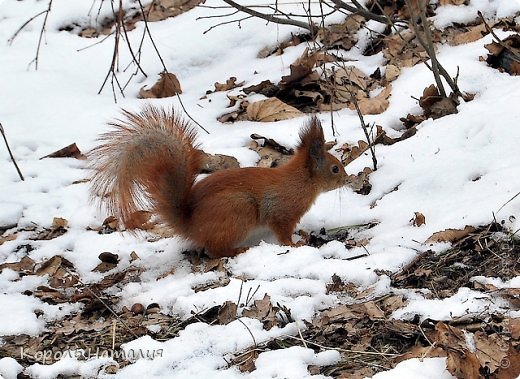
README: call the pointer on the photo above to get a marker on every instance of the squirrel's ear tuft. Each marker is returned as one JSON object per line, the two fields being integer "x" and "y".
{"x": 312, "y": 142}
{"x": 311, "y": 134}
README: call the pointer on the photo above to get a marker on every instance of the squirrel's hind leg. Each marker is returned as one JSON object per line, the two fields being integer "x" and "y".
{"x": 226, "y": 224}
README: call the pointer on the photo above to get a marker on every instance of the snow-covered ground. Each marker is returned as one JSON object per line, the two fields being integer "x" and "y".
{"x": 45, "y": 110}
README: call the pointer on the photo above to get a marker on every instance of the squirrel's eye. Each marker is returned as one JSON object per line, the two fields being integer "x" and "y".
{"x": 335, "y": 169}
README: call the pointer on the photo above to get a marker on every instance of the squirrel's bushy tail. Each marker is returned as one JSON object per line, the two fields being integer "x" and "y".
{"x": 148, "y": 160}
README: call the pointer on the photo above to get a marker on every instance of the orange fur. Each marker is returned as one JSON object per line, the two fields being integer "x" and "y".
{"x": 151, "y": 159}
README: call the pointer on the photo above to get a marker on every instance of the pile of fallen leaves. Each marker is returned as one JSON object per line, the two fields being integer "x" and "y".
{"x": 370, "y": 340}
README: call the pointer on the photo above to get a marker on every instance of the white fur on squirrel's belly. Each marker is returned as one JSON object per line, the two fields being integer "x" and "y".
{"x": 258, "y": 234}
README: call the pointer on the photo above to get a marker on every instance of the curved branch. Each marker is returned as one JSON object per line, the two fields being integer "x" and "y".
{"x": 310, "y": 27}
{"x": 358, "y": 9}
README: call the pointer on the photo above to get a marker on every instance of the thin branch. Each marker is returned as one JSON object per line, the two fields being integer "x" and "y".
{"x": 75, "y": 275}
{"x": 10, "y": 40}
{"x": 95, "y": 43}
{"x": 42, "y": 32}
{"x": 226, "y": 23}
{"x": 189, "y": 116}
{"x": 426, "y": 42}
{"x": 498, "y": 40}
{"x": 249, "y": 330}
{"x": 359, "y": 9}
{"x": 112, "y": 70}
{"x": 145, "y": 19}
{"x": 10, "y": 153}
{"x": 310, "y": 27}
{"x": 137, "y": 61}
{"x": 365, "y": 129}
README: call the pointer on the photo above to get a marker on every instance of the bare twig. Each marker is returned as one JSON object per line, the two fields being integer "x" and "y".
{"x": 286, "y": 21}
{"x": 343, "y": 350}
{"x": 10, "y": 40}
{"x": 507, "y": 202}
{"x": 359, "y": 9}
{"x": 42, "y": 32}
{"x": 427, "y": 43}
{"x": 93, "y": 293}
{"x": 371, "y": 145}
{"x": 115, "y": 55}
{"x": 134, "y": 58}
{"x": 490, "y": 30}
{"x": 249, "y": 330}
{"x": 145, "y": 19}
{"x": 238, "y": 21}
{"x": 10, "y": 153}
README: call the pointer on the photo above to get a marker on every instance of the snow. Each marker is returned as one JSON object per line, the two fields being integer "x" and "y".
{"x": 464, "y": 302}
{"x": 430, "y": 368}
{"x": 45, "y": 110}
{"x": 9, "y": 368}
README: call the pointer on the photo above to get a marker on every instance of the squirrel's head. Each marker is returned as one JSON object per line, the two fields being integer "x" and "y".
{"x": 325, "y": 170}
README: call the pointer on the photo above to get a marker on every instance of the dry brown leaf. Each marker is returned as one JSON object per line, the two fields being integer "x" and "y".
{"x": 360, "y": 183}
{"x": 50, "y": 295}
{"x": 50, "y": 266}
{"x": 489, "y": 350}
{"x": 429, "y": 97}
{"x": 474, "y": 33}
{"x": 270, "y": 110}
{"x": 271, "y": 153}
{"x": 10, "y": 237}
{"x": 59, "y": 222}
{"x": 505, "y": 55}
{"x": 263, "y": 311}
{"x": 302, "y": 67}
{"x": 59, "y": 270}
{"x": 392, "y": 72}
{"x": 227, "y": 313}
{"x": 395, "y": 43}
{"x": 348, "y": 312}
{"x": 376, "y": 105}
{"x": 134, "y": 256}
{"x": 25, "y": 265}
{"x": 450, "y": 235}
{"x": 246, "y": 363}
{"x": 229, "y": 84}
{"x": 70, "y": 151}
{"x": 215, "y": 162}
{"x": 109, "y": 225}
{"x": 58, "y": 228}
{"x": 140, "y": 220}
{"x": 392, "y": 303}
{"x": 418, "y": 219}
{"x": 351, "y": 152}
{"x": 215, "y": 264}
{"x": 510, "y": 366}
{"x": 441, "y": 108}
{"x": 266, "y": 88}
{"x": 461, "y": 362}
{"x": 168, "y": 85}
{"x": 351, "y": 75}
{"x": 422, "y": 352}
{"x": 344, "y": 35}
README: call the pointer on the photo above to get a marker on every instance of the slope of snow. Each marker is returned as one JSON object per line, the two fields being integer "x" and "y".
{"x": 45, "y": 110}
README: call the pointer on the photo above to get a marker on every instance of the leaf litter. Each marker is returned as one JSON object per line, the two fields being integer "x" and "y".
{"x": 363, "y": 330}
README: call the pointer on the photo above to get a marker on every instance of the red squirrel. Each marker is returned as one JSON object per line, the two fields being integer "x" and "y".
{"x": 151, "y": 158}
